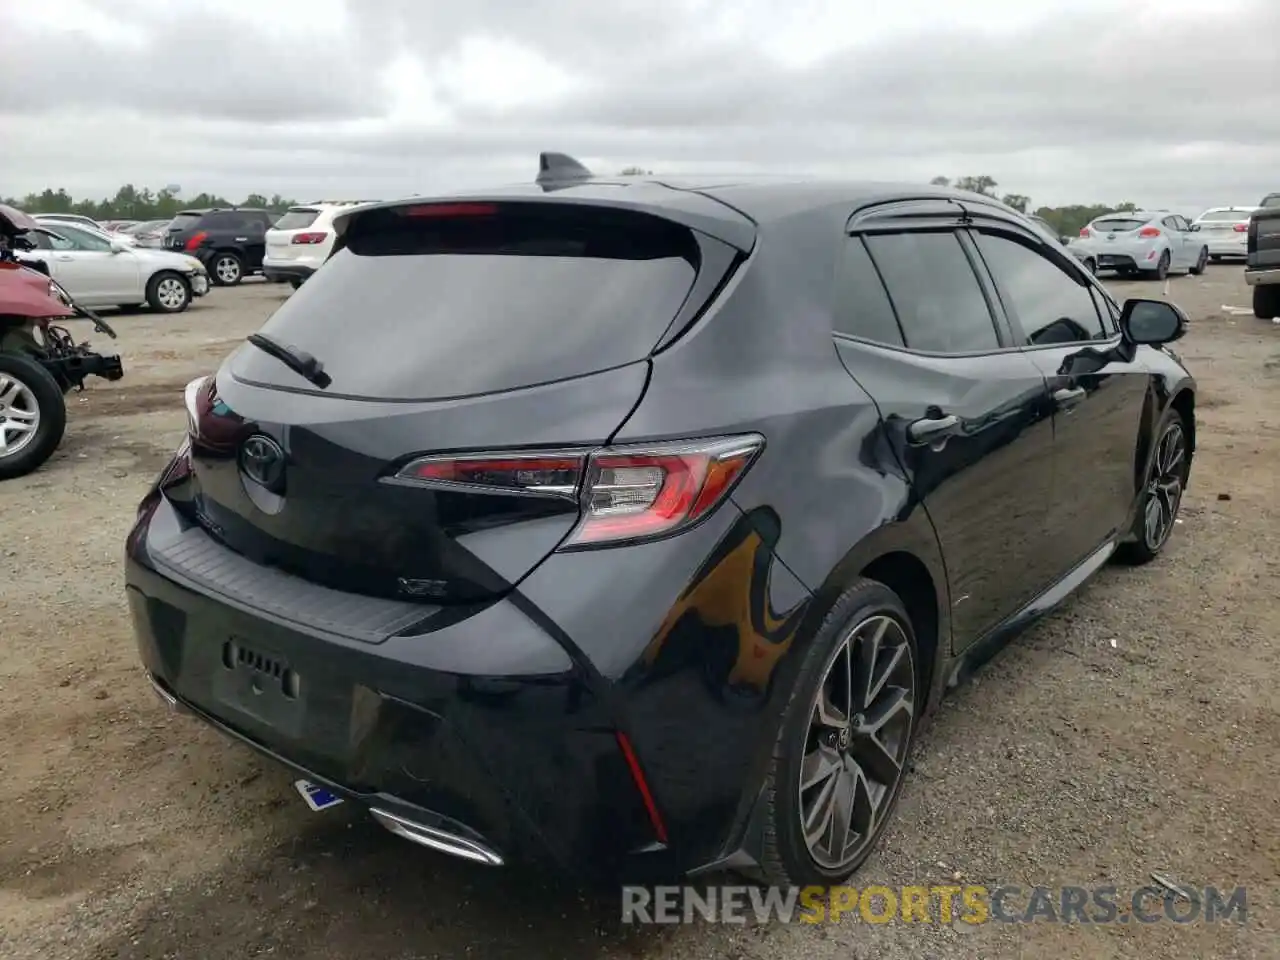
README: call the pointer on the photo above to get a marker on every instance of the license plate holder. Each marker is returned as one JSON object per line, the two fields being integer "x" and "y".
{"x": 259, "y": 683}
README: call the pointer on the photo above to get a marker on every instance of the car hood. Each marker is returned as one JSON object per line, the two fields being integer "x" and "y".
{"x": 167, "y": 258}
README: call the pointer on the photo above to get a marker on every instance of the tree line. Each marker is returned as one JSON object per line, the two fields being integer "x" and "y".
{"x": 131, "y": 203}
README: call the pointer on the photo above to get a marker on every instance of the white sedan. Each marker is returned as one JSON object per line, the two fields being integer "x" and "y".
{"x": 101, "y": 272}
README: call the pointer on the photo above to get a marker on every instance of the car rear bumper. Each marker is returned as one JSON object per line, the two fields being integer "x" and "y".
{"x": 494, "y": 728}
{"x": 284, "y": 271}
{"x": 1261, "y": 276}
{"x": 1227, "y": 245}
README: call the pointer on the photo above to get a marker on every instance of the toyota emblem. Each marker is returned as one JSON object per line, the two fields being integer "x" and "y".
{"x": 262, "y": 461}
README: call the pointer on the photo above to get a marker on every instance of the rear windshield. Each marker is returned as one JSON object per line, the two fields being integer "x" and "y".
{"x": 296, "y": 219}
{"x": 1117, "y": 225}
{"x": 1230, "y": 216}
{"x": 1271, "y": 200}
{"x": 453, "y": 300}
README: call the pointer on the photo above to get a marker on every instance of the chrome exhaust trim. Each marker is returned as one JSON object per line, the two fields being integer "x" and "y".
{"x": 437, "y": 839}
{"x": 165, "y": 697}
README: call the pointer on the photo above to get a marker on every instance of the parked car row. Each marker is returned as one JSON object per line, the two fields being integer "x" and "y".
{"x": 100, "y": 270}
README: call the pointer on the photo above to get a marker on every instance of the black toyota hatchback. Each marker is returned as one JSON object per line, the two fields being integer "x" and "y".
{"x": 608, "y": 523}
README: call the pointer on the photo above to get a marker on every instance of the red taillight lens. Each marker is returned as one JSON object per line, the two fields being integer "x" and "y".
{"x": 533, "y": 474}
{"x": 639, "y": 493}
{"x": 1241, "y": 228}
{"x": 309, "y": 238}
{"x": 1084, "y": 232}
{"x": 626, "y": 493}
{"x": 1149, "y": 232}
{"x": 452, "y": 210}
{"x": 194, "y": 241}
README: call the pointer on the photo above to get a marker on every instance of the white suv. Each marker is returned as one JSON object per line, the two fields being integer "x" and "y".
{"x": 301, "y": 240}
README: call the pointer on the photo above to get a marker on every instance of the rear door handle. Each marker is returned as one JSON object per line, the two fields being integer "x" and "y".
{"x": 1068, "y": 398}
{"x": 932, "y": 429}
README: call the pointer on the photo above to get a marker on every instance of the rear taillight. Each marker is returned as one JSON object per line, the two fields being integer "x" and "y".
{"x": 309, "y": 237}
{"x": 1241, "y": 228}
{"x": 625, "y": 493}
{"x": 1149, "y": 232}
{"x": 194, "y": 241}
{"x": 1084, "y": 232}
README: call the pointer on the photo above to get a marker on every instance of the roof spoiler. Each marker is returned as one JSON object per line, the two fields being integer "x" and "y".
{"x": 560, "y": 168}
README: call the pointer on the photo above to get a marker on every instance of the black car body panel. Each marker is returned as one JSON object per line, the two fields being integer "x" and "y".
{"x": 444, "y": 653}
{"x": 208, "y": 232}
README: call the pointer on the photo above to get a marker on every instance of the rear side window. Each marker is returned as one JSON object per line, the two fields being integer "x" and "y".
{"x": 296, "y": 219}
{"x": 1051, "y": 306}
{"x": 935, "y": 292}
{"x": 185, "y": 221}
{"x": 450, "y": 300}
{"x": 226, "y": 220}
{"x": 862, "y": 307}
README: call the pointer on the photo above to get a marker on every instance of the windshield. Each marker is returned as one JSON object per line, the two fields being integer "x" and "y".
{"x": 1117, "y": 224}
{"x": 427, "y": 306}
{"x": 1271, "y": 200}
{"x": 1227, "y": 216}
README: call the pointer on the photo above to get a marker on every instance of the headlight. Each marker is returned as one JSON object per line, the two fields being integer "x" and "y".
{"x": 58, "y": 293}
{"x": 195, "y": 265}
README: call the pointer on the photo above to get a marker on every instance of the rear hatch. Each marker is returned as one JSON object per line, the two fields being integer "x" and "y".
{"x": 1116, "y": 228}
{"x": 181, "y": 229}
{"x": 517, "y": 333}
{"x": 290, "y": 237}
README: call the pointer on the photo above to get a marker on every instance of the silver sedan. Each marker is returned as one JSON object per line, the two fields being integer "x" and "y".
{"x": 1226, "y": 231}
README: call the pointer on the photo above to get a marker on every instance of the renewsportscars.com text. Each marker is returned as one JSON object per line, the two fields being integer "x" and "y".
{"x": 939, "y": 904}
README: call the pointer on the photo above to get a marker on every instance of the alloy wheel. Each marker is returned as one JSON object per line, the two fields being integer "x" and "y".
{"x": 1164, "y": 489}
{"x": 19, "y": 416}
{"x": 171, "y": 293}
{"x": 858, "y": 737}
{"x": 227, "y": 269}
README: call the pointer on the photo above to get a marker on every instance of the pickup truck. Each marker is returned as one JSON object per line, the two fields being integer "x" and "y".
{"x": 1262, "y": 269}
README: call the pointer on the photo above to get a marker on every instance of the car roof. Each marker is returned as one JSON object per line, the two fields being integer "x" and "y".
{"x": 732, "y": 207}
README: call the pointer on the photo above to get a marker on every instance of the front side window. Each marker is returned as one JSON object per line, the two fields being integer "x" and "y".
{"x": 935, "y": 293}
{"x": 84, "y": 240}
{"x": 1051, "y": 305}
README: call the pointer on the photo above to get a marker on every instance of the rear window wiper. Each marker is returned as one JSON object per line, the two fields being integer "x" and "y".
{"x": 299, "y": 361}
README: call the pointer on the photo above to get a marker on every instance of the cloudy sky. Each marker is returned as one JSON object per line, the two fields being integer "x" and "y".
{"x": 1164, "y": 102}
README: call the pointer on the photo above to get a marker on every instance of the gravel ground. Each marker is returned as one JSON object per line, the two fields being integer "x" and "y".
{"x": 1133, "y": 731}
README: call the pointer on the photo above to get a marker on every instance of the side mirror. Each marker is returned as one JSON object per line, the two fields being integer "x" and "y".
{"x": 1195, "y": 228}
{"x": 1064, "y": 240}
{"x": 119, "y": 246}
{"x": 1152, "y": 321}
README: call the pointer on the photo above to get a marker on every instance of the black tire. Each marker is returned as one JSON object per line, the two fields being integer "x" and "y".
{"x": 787, "y": 858}
{"x": 295, "y": 284}
{"x": 168, "y": 292}
{"x": 1201, "y": 261}
{"x": 226, "y": 269}
{"x": 41, "y": 390}
{"x": 1162, "y": 266}
{"x": 1266, "y": 301}
{"x": 1144, "y": 547}
{"x": 1215, "y": 258}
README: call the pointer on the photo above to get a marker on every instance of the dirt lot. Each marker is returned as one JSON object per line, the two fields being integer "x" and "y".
{"x": 1134, "y": 731}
